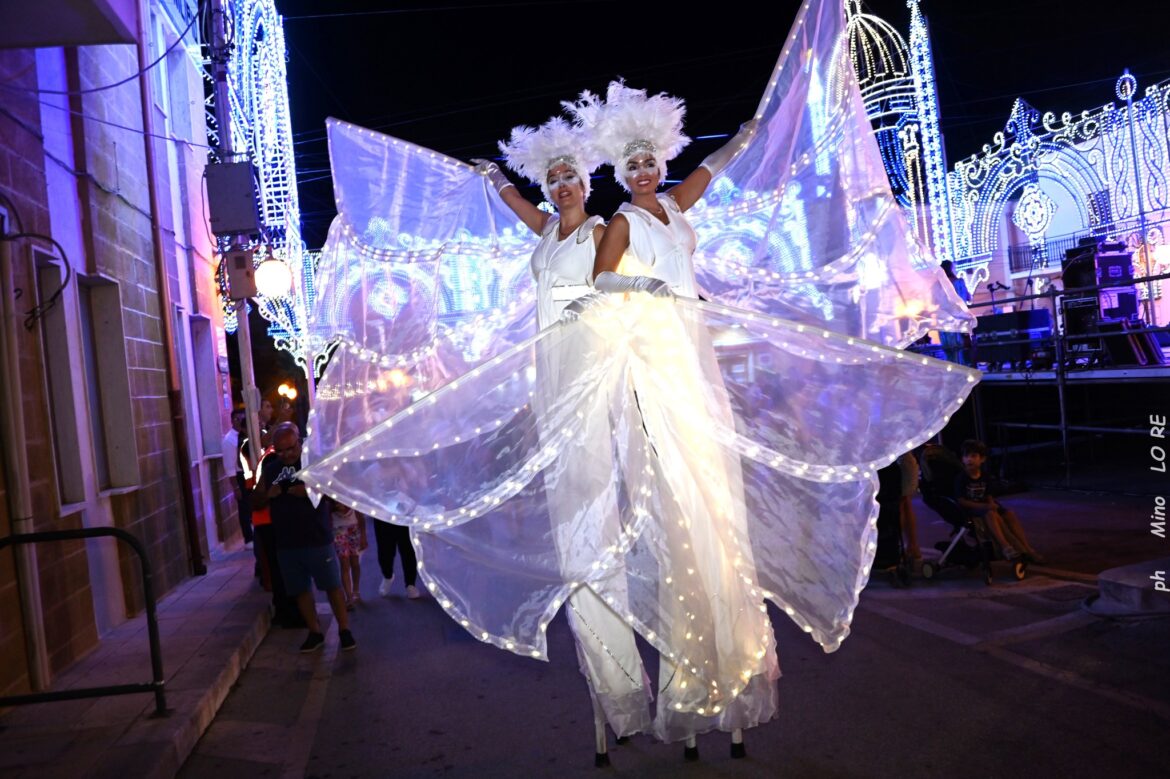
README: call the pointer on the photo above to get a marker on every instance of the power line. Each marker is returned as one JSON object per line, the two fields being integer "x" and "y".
{"x": 128, "y": 128}
{"x": 104, "y": 87}
{"x": 318, "y": 135}
{"x": 429, "y": 9}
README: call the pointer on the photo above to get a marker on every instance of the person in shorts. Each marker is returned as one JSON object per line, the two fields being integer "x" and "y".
{"x": 304, "y": 537}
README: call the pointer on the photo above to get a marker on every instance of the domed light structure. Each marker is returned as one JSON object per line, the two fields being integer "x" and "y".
{"x": 897, "y": 87}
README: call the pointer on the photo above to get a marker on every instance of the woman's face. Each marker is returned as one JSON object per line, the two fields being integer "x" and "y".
{"x": 642, "y": 173}
{"x": 564, "y": 186}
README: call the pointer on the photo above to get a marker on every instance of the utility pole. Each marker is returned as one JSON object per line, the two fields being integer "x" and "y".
{"x": 220, "y": 52}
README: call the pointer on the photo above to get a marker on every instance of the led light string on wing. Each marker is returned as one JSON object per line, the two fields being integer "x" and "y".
{"x": 828, "y": 272}
{"x": 450, "y": 333}
{"x": 713, "y": 701}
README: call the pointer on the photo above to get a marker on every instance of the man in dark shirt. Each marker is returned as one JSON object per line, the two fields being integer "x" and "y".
{"x": 303, "y": 535}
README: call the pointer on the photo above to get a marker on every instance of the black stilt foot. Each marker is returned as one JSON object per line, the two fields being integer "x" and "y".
{"x": 623, "y": 740}
{"x": 601, "y": 759}
{"x": 738, "y": 750}
{"x": 691, "y": 754}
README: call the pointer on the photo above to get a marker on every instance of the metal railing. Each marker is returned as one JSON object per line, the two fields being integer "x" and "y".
{"x": 1025, "y": 257}
{"x": 1063, "y": 355}
{"x": 155, "y": 686}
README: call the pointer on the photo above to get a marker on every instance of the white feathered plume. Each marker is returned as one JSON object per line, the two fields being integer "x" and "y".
{"x": 630, "y": 122}
{"x": 532, "y": 151}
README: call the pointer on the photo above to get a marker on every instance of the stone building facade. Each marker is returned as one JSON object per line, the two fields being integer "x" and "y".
{"x": 123, "y": 394}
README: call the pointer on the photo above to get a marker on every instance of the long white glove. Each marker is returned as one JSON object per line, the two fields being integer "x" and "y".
{"x": 493, "y": 173}
{"x": 608, "y": 281}
{"x": 717, "y": 160}
{"x": 579, "y": 306}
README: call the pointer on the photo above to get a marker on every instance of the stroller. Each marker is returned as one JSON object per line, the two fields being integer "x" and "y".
{"x": 968, "y": 546}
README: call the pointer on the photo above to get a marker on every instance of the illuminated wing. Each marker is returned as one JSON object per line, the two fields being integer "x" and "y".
{"x": 424, "y": 275}
{"x": 802, "y": 223}
{"x": 739, "y": 444}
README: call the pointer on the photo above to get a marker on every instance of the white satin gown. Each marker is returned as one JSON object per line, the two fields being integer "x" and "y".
{"x": 606, "y": 648}
{"x": 725, "y": 675}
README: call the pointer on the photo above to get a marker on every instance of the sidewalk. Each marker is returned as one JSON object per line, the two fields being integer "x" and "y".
{"x": 209, "y": 628}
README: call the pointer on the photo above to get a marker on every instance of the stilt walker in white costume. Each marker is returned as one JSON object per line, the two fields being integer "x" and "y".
{"x": 558, "y": 157}
{"x": 654, "y": 244}
{"x": 734, "y": 440}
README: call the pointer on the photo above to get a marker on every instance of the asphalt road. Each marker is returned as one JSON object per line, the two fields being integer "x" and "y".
{"x": 944, "y": 678}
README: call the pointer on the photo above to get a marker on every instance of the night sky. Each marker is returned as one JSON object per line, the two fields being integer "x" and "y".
{"x": 457, "y": 76}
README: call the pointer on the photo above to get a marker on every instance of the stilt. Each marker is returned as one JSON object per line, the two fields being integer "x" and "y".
{"x": 737, "y": 748}
{"x": 601, "y": 759}
{"x": 691, "y": 750}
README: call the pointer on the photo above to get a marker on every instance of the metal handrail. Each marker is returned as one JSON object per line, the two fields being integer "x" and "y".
{"x": 1060, "y": 342}
{"x": 157, "y": 685}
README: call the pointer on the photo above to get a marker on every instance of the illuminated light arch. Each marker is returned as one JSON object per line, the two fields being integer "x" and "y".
{"x": 1089, "y": 155}
{"x": 261, "y": 128}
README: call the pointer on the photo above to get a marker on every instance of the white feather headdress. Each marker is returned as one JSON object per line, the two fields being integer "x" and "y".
{"x": 533, "y": 151}
{"x": 631, "y": 122}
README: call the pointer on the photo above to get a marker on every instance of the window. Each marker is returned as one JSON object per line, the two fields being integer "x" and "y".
{"x": 59, "y": 381}
{"x": 207, "y": 384}
{"x": 107, "y": 384}
{"x": 190, "y": 410}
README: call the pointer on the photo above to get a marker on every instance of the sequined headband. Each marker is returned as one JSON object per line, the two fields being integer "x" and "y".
{"x": 564, "y": 159}
{"x": 640, "y": 145}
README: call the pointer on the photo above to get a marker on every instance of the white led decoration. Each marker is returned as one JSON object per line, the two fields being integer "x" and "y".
{"x": 260, "y": 127}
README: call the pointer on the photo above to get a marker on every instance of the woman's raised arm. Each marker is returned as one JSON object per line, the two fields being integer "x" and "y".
{"x": 528, "y": 213}
{"x": 687, "y": 192}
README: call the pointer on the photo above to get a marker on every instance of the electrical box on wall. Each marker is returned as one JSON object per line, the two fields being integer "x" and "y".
{"x": 231, "y": 199}
{"x": 241, "y": 274}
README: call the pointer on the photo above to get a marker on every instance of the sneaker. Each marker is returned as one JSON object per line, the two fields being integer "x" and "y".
{"x": 314, "y": 642}
{"x": 346, "y": 641}
{"x": 384, "y": 587}
{"x": 412, "y": 592}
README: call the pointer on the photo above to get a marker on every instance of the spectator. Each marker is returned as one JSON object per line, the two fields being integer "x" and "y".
{"x": 233, "y": 468}
{"x": 955, "y": 344}
{"x": 908, "y": 465}
{"x": 284, "y": 608}
{"x": 974, "y": 492}
{"x": 349, "y": 539}
{"x": 303, "y": 535}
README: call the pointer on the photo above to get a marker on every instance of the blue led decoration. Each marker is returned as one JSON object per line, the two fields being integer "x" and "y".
{"x": 897, "y": 87}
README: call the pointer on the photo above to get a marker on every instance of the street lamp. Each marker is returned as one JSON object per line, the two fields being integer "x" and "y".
{"x": 273, "y": 278}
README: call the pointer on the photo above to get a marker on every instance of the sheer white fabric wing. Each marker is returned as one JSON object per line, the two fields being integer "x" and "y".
{"x": 802, "y": 223}
{"x": 424, "y": 275}
{"x": 759, "y": 436}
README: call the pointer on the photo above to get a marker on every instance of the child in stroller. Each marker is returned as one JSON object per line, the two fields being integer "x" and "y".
{"x": 943, "y": 476}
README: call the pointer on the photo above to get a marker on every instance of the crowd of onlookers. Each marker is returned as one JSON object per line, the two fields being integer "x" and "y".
{"x": 298, "y": 544}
